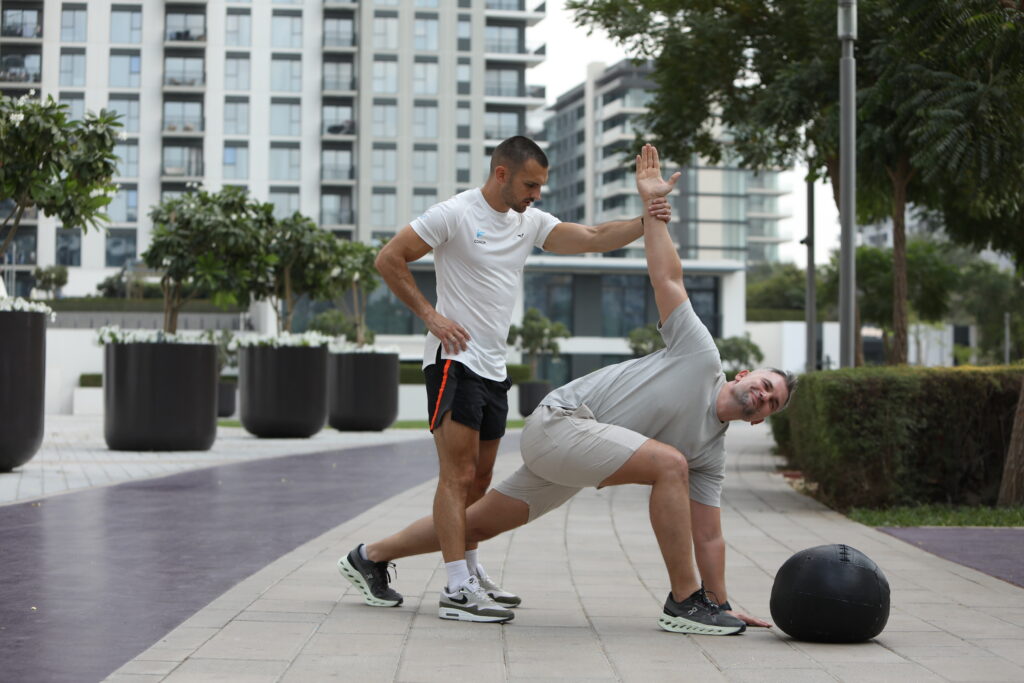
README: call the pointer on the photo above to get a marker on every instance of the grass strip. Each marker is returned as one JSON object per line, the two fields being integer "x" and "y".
{"x": 401, "y": 424}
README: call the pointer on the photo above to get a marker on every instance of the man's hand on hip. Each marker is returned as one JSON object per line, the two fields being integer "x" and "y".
{"x": 453, "y": 336}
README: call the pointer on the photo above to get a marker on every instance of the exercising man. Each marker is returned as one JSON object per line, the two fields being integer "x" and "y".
{"x": 659, "y": 420}
{"x": 480, "y": 239}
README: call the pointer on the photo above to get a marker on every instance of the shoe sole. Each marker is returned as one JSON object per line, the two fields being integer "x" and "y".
{"x": 461, "y": 615}
{"x": 357, "y": 580}
{"x": 680, "y": 625}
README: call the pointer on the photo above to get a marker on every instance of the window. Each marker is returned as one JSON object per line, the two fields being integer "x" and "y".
{"x": 286, "y": 31}
{"x": 499, "y": 125}
{"x": 75, "y": 102}
{"x": 385, "y": 32}
{"x": 623, "y": 300}
{"x": 22, "y": 23}
{"x": 120, "y": 246}
{"x": 336, "y": 209}
{"x": 124, "y": 207}
{"x": 463, "y": 76}
{"x": 236, "y": 117}
{"x": 551, "y": 294}
{"x": 72, "y": 68}
{"x": 183, "y": 160}
{"x": 424, "y": 33}
{"x": 424, "y": 120}
{"x": 128, "y": 108}
{"x": 183, "y": 116}
{"x": 339, "y": 32}
{"x": 285, "y": 162}
{"x": 186, "y": 26}
{"x": 338, "y": 119}
{"x": 384, "y": 163}
{"x": 385, "y": 119}
{"x": 23, "y": 249}
{"x": 285, "y": 201}
{"x": 237, "y": 29}
{"x": 285, "y": 74}
{"x": 385, "y": 76}
{"x": 68, "y": 247}
{"x": 507, "y": 39}
{"x": 426, "y": 3}
{"x": 423, "y": 199}
{"x": 463, "y": 163}
{"x": 285, "y": 118}
{"x": 128, "y": 154}
{"x": 463, "y": 118}
{"x": 336, "y": 164}
{"x": 73, "y": 25}
{"x": 184, "y": 71}
{"x": 338, "y": 75}
{"x": 236, "y": 73}
{"x": 236, "y": 161}
{"x": 503, "y": 82}
{"x": 126, "y": 25}
{"x": 465, "y": 33}
{"x": 382, "y": 207}
{"x": 125, "y": 69}
{"x": 424, "y": 164}
{"x": 424, "y": 78}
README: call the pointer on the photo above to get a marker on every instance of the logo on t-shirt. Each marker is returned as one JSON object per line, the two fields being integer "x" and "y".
{"x": 480, "y": 237}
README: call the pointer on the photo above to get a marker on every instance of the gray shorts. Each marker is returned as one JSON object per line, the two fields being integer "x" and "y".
{"x": 565, "y": 450}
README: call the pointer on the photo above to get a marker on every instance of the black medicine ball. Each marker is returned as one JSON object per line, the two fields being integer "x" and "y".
{"x": 830, "y": 594}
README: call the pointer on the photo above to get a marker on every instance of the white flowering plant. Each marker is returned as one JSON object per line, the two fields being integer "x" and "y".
{"x": 54, "y": 164}
{"x": 342, "y": 345}
{"x": 112, "y": 334}
{"x": 18, "y": 304}
{"x": 356, "y": 274}
{"x": 279, "y": 340}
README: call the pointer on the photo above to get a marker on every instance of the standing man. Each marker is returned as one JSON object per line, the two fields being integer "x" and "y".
{"x": 659, "y": 420}
{"x": 480, "y": 239}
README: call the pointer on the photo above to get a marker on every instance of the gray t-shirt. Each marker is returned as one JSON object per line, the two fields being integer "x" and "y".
{"x": 668, "y": 395}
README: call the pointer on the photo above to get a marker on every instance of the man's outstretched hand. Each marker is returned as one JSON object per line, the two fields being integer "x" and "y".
{"x": 749, "y": 620}
{"x": 649, "y": 182}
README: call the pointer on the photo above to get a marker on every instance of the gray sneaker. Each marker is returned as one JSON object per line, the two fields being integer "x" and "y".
{"x": 371, "y": 578}
{"x": 497, "y": 593}
{"x": 698, "y": 615}
{"x": 471, "y": 603}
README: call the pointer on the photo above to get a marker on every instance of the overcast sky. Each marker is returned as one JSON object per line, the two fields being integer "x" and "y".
{"x": 570, "y": 50}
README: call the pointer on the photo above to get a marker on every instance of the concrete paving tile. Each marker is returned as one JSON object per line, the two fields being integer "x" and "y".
{"x": 874, "y": 672}
{"x": 1009, "y": 649}
{"x": 828, "y": 653}
{"x": 308, "y": 667}
{"x": 366, "y": 619}
{"x": 309, "y": 606}
{"x": 353, "y": 645}
{"x": 146, "y": 668}
{"x": 776, "y": 675}
{"x": 166, "y": 654}
{"x": 561, "y": 618}
{"x": 187, "y": 637}
{"x": 197, "y": 670}
{"x": 303, "y": 617}
{"x": 974, "y": 669}
{"x": 134, "y": 678}
{"x": 411, "y": 671}
{"x": 257, "y": 640}
{"x": 753, "y": 649}
{"x": 305, "y": 592}
{"x": 211, "y": 617}
{"x": 579, "y": 662}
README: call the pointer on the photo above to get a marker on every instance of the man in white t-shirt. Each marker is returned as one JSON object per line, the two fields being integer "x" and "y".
{"x": 657, "y": 420}
{"x": 480, "y": 239}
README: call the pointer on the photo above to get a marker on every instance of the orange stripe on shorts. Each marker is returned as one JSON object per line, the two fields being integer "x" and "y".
{"x": 440, "y": 393}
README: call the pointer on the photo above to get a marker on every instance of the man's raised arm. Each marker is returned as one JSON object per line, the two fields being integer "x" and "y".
{"x": 663, "y": 264}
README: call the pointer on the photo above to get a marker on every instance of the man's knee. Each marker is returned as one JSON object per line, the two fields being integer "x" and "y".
{"x": 672, "y": 464}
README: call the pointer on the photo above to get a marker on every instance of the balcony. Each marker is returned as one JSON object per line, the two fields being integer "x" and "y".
{"x": 192, "y": 169}
{"x": 21, "y": 31}
{"x": 341, "y": 41}
{"x": 337, "y": 173}
{"x": 174, "y": 37}
{"x": 333, "y": 86}
{"x": 515, "y": 51}
{"x": 183, "y": 126}
{"x": 184, "y": 80}
{"x": 515, "y": 10}
{"x": 338, "y": 217}
{"x": 530, "y": 96}
{"x": 343, "y": 128}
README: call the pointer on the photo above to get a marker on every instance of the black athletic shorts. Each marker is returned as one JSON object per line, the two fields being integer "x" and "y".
{"x": 474, "y": 401}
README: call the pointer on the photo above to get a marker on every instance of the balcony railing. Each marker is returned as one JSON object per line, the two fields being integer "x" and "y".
{"x": 501, "y": 132}
{"x": 17, "y": 75}
{"x": 339, "y": 84}
{"x": 338, "y": 217}
{"x": 339, "y": 39}
{"x": 533, "y": 91}
{"x": 347, "y": 127}
{"x": 185, "y": 35}
{"x": 334, "y": 172}
{"x": 183, "y": 124}
{"x": 23, "y": 29}
{"x": 188, "y": 170}
{"x": 185, "y": 78}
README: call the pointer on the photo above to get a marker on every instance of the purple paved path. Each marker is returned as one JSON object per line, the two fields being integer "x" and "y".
{"x": 996, "y": 551}
{"x": 93, "y": 578}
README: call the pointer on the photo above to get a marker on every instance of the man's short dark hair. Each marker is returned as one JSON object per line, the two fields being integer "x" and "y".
{"x": 516, "y": 151}
{"x": 791, "y": 381}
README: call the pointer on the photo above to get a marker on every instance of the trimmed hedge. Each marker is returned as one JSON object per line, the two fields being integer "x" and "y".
{"x": 90, "y": 379}
{"x": 770, "y": 315}
{"x": 874, "y": 437}
{"x": 412, "y": 373}
{"x": 92, "y": 304}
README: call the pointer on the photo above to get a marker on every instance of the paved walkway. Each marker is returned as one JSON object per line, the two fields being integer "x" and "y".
{"x": 593, "y": 583}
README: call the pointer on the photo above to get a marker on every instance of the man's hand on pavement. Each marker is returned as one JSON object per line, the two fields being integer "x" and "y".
{"x": 749, "y": 620}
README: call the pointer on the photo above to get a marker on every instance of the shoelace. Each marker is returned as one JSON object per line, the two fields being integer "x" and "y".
{"x": 385, "y": 572}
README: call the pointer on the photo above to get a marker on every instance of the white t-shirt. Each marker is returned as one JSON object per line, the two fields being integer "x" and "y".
{"x": 668, "y": 395}
{"x": 479, "y": 255}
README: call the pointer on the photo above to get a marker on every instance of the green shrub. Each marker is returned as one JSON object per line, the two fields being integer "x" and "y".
{"x": 875, "y": 437}
{"x": 779, "y": 422}
{"x": 90, "y": 379}
{"x": 412, "y": 373}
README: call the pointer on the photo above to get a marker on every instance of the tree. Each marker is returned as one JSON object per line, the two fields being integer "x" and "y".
{"x": 209, "y": 241}
{"x": 986, "y": 295}
{"x": 301, "y": 258}
{"x": 355, "y": 272}
{"x": 645, "y": 340}
{"x": 739, "y": 353}
{"x": 537, "y": 335}
{"x": 50, "y": 163}
{"x": 777, "y": 286}
{"x": 51, "y": 279}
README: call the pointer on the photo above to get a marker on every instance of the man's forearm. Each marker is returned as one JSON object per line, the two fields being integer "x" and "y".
{"x": 613, "y": 235}
{"x": 399, "y": 279}
{"x": 662, "y": 260}
{"x": 710, "y": 556}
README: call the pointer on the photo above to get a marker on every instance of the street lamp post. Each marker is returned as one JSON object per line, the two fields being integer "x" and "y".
{"x": 847, "y": 29}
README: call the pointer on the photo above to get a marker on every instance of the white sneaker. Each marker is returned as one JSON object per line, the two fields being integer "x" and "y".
{"x": 496, "y": 592}
{"x": 471, "y": 603}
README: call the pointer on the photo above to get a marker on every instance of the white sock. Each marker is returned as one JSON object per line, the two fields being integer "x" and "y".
{"x": 362, "y": 552}
{"x": 471, "y": 562}
{"x": 458, "y": 572}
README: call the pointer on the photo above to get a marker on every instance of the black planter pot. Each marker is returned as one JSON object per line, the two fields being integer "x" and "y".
{"x": 22, "y": 386}
{"x": 226, "y": 392}
{"x": 283, "y": 390}
{"x": 362, "y": 391}
{"x": 160, "y": 397}
{"x": 530, "y": 396}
